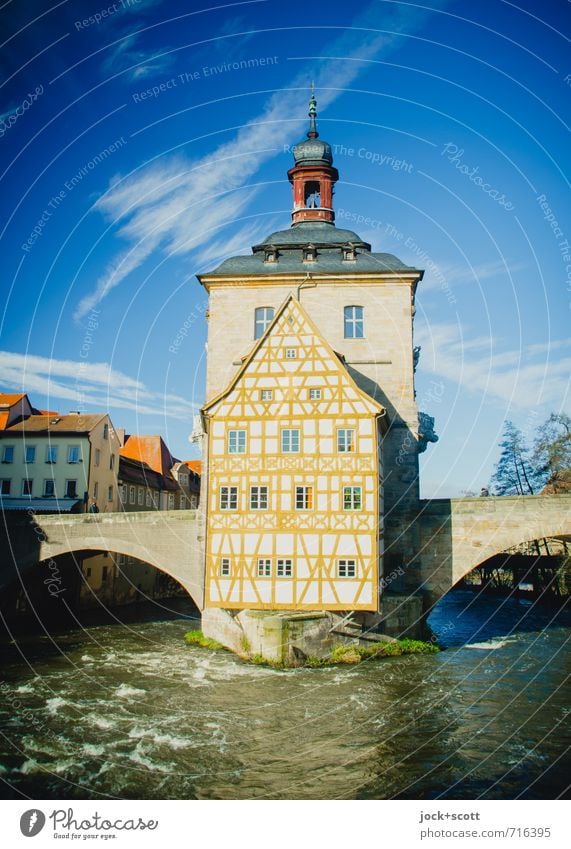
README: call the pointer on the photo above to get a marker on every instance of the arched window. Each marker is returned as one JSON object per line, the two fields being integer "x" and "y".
{"x": 263, "y": 318}
{"x": 354, "y": 322}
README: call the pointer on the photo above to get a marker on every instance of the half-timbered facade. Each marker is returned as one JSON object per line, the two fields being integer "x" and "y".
{"x": 295, "y": 479}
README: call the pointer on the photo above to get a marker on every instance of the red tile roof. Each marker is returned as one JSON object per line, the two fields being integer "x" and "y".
{"x": 150, "y": 450}
{"x": 8, "y": 400}
{"x": 194, "y": 466}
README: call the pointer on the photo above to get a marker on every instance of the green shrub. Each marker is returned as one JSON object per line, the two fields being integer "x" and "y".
{"x": 197, "y": 638}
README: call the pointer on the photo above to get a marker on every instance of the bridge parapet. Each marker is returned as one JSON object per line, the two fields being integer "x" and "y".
{"x": 458, "y": 534}
{"x": 167, "y": 539}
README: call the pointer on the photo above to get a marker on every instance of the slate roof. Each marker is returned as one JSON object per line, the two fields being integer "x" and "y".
{"x": 327, "y": 239}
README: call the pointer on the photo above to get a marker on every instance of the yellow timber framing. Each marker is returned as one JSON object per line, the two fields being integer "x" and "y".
{"x": 317, "y": 537}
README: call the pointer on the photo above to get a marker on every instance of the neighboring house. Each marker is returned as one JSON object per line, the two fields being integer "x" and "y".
{"x": 150, "y": 477}
{"x": 187, "y": 474}
{"x": 58, "y": 463}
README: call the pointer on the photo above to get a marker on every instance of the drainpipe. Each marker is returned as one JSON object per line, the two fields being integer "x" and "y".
{"x": 306, "y": 283}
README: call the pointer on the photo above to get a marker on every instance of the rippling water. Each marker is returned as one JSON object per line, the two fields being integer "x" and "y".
{"x": 130, "y": 711}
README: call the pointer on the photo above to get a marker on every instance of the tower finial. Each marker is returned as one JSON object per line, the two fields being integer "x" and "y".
{"x": 312, "y": 132}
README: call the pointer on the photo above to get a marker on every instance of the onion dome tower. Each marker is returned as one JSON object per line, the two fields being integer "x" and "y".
{"x": 313, "y": 175}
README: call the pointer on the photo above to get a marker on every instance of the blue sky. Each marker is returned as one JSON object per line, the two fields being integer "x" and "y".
{"x": 142, "y": 143}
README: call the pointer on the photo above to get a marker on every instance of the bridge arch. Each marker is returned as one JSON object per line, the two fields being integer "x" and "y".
{"x": 167, "y": 540}
{"x": 457, "y": 535}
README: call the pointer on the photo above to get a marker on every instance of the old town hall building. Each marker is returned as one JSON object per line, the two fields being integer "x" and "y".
{"x": 311, "y": 424}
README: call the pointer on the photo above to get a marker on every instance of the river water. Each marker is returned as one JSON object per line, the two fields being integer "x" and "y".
{"x": 127, "y": 710}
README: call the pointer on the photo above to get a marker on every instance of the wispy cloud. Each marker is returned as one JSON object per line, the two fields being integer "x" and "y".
{"x": 153, "y": 207}
{"x": 84, "y": 383}
{"x": 457, "y": 275}
{"x": 532, "y": 376}
{"x": 136, "y": 61}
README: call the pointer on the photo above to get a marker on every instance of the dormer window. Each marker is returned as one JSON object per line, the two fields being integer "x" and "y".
{"x": 309, "y": 253}
{"x": 271, "y": 254}
{"x": 349, "y": 252}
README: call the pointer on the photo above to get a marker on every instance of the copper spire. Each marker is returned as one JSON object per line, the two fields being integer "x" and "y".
{"x": 312, "y": 132}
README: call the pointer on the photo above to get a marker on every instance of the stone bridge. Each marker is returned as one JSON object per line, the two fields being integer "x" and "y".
{"x": 167, "y": 539}
{"x": 456, "y": 535}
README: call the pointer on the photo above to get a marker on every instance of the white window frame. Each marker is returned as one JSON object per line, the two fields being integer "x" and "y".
{"x": 140, "y": 497}
{"x": 287, "y": 440}
{"x": 315, "y": 394}
{"x": 73, "y": 481}
{"x": 51, "y": 452}
{"x": 73, "y": 451}
{"x": 171, "y": 501}
{"x": 124, "y": 494}
{"x": 347, "y": 568}
{"x": 228, "y": 498}
{"x": 266, "y": 394}
{"x": 264, "y": 567}
{"x": 290, "y": 353}
{"x": 354, "y": 498}
{"x": 259, "y": 497}
{"x": 346, "y": 440}
{"x": 284, "y": 567}
{"x": 263, "y": 317}
{"x": 237, "y": 441}
{"x": 7, "y": 454}
{"x": 132, "y": 495}
{"x": 32, "y": 450}
{"x": 148, "y": 499}
{"x": 354, "y": 322}
{"x": 303, "y": 497}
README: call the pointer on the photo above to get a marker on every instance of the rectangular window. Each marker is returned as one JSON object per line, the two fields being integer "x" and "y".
{"x": 95, "y": 489}
{"x": 123, "y": 494}
{"x": 110, "y": 493}
{"x": 51, "y": 454}
{"x": 284, "y": 569}
{"x": 304, "y": 498}
{"x": 228, "y": 497}
{"x": 27, "y": 486}
{"x": 5, "y": 486}
{"x": 97, "y": 456}
{"x": 71, "y": 489}
{"x": 266, "y": 394}
{"x": 112, "y": 462}
{"x": 104, "y": 573}
{"x": 131, "y": 495}
{"x": 30, "y": 454}
{"x": 352, "y": 498}
{"x": 353, "y": 322}
{"x": 148, "y": 501}
{"x": 73, "y": 453}
{"x": 171, "y": 501}
{"x": 346, "y": 569}
{"x": 225, "y": 567}
{"x": 263, "y": 317}
{"x": 345, "y": 441}
{"x": 291, "y": 353}
{"x": 8, "y": 454}
{"x": 105, "y": 431}
{"x": 49, "y": 487}
{"x": 140, "y": 496}
{"x": 258, "y": 498}
{"x": 236, "y": 441}
{"x": 314, "y": 394}
{"x": 290, "y": 441}
{"x": 264, "y": 568}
